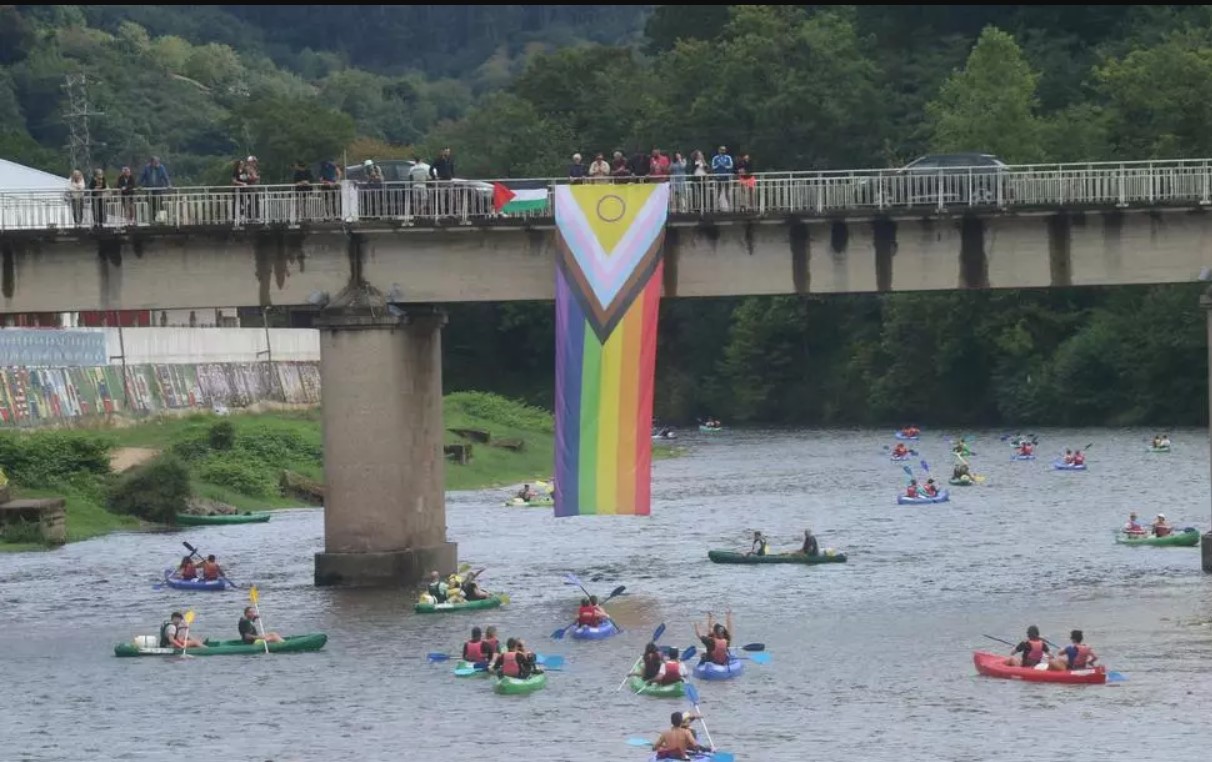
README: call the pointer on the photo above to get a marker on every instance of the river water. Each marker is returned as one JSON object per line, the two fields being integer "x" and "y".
{"x": 871, "y": 659}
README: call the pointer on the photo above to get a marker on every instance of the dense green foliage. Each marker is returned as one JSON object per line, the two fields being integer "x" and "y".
{"x": 155, "y": 491}
{"x": 516, "y": 89}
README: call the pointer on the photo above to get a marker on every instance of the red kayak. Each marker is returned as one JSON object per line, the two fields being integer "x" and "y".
{"x": 994, "y": 665}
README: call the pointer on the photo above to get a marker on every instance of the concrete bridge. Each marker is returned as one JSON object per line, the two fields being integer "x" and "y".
{"x": 373, "y": 260}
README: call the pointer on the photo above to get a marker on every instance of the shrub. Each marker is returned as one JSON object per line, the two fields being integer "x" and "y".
{"x": 501, "y": 411}
{"x": 155, "y": 491}
{"x": 276, "y": 447}
{"x": 45, "y": 457}
{"x": 238, "y": 474}
{"x": 222, "y": 436}
{"x": 22, "y": 532}
{"x": 194, "y": 447}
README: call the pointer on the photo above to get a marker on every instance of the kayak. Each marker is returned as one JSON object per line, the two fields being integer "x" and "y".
{"x": 468, "y": 669}
{"x": 696, "y": 756}
{"x": 709, "y": 670}
{"x": 176, "y": 583}
{"x": 1159, "y": 449}
{"x": 906, "y": 437}
{"x": 292, "y": 644}
{"x": 898, "y": 458}
{"x": 513, "y": 686}
{"x": 994, "y": 665}
{"x": 1186, "y": 538}
{"x": 638, "y": 685}
{"x": 1020, "y": 456}
{"x": 961, "y": 482}
{"x": 601, "y": 632}
{"x": 710, "y": 428}
{"x": 194, "y": 520}
{"x": 942, "y": 497}
{"x": 963, "y": 453}
{"x": 445, "y": 608}
{"x": 732, "y": 557}
{"x": 1060, "y": 465}
{"x": 538, "y": 502}
{"x": 664, "y": 436}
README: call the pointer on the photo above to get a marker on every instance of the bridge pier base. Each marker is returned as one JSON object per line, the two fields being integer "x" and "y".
{"x": 1205, "y": 301}
{"x": 384, "y": 505}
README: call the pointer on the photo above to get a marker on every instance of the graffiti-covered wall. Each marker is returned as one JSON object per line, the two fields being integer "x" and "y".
{"x": 38, "y": 395}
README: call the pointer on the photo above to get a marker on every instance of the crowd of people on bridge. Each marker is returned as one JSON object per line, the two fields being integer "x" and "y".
{"x": 727, "y": 180}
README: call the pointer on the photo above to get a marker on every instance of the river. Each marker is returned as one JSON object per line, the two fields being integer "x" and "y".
{"x": 871, "y": 659}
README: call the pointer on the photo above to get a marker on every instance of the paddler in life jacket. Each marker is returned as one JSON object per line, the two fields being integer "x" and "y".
{"x": 1079, "y": 459}
{"x": 175, "y": 633}
{"x": 810, "y": 547}
{"x": 437, "y": 588}
{"x": 671, "y": 670}
{"x": 1076, "y": 655}
{"x": 900, "y": 451}
{"x": 911, "y": 490}
{"x": 1026, "y": 448}
{"x": 210, "y": 569}
{"x": 472, "y": 590}
{"x": 678, "y": 742}
{"x": 187, "y": 570}
{"x": 717, "y": 641}
{"x": 1133, "y": 526}
{"x": 476, "y": 650}
{"x": 590, "y": 614}
{"x": 490, "y": 640}
{"x": 1160, "y": 527}
{"x": 1030, "y": 652}
{"x": 931, "y": 489}
{"x": 505, "y": 663}
{"x": 758, "y": 548}
{"x": 1165, "y": 441}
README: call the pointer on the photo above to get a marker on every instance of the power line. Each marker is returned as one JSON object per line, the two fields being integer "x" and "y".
{"x": 79, "y": 145}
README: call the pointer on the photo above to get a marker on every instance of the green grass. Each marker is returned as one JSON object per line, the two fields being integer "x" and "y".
{"x": 503, "y": 419}
{"x": 86, "y": 517}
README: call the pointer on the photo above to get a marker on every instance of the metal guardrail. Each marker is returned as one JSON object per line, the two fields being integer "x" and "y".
{"x": 1099, "y": 185}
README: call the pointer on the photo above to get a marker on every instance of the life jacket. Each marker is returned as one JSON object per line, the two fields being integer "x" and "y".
{"x": 587, "y": 616}
{"x": 1078, "y": 660}
{"x": 719, "y": 651}
{"x": 911, "y": 491}
{"x": 189, "y": 571}
{"x": 435, "y": 589}
{"x": 473, "y": 650}
{"x": 1035, "y": 655}
{"x": 1161, "y": 531}
{"x": 931, "y": 490}
{"x": 673, "y": 673}
{"x": 1134, "y": 528}
{"x": 1079, "y": 460}
{"x": 1025, "y": 449}
{"x": 164, "y": 641}
{"x": 491, "y": 644}
{"x": 509, "y": 664}
{"x": 900, "y": 450}
{"x": 210, "y": 571}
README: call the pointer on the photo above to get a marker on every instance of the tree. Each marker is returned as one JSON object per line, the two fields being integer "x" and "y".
{"x": 282, "y": 131}
{"x": 989, "y": 106}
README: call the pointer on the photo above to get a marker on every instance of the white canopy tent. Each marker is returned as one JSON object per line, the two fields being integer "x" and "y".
{"x": 31, "y": 198}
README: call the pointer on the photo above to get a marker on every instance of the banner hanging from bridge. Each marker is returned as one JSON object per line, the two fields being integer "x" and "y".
{"x": 608, "y": 289}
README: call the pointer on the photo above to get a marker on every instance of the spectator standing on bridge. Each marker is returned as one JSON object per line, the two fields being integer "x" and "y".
{"x": 677, "y": 171}
{"x": 618, "y": 167}
{"x": 576, "y": 170}
{"x": 721, "y": 171}
{"x": 126, "y": 189}
{"x": 443, "y": 170}
{"x": 239, "y": 181}
{"x": 641, "y": 166}
{"x": 419, "y": 175}
{"x": 303, "y": 180}
{"x": 97, "y": 186}
{"x": 330, "y": 188}
{"x": 659, "y": 163}
{"x": 155, "y": 179}
{"x": 75, "y": 196}
{"x": 599, "y": 169}
{"x": 254, "y": 178}
{"x": 746, "y": 180}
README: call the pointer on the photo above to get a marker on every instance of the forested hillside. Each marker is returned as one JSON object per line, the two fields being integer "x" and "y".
{"x": 516, "y": 89}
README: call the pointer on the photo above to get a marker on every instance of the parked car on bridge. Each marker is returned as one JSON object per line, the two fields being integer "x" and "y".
{"x": 952, "y": 178}
{"x": 396, "y": 171}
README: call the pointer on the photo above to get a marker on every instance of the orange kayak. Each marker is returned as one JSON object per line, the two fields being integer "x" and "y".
{"x": 994, "y": 665}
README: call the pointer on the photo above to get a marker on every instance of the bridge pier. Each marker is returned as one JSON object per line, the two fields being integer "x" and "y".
{"x": 1205, "y": 543}
{"x": 384, "y": 506}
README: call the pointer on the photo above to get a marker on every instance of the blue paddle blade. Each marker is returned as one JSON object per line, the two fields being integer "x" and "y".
{"x": 692, "y": 693}
{"x": 908, "y": 471}
{"x": 639, "y": 742}
{"x": 558, "y": 634}
{"x": 760, "y": 658}
{"x": 555, "y": 662}
{"x": 658, "y": 632}
{"x": 437, "y": 656}
{"x": 925, "y": 466}
{"x": 1116, "y": 677}
{"x": 571, "y": 579}
{"x": 723, "y": 756}
{"x": 689, "y": 653}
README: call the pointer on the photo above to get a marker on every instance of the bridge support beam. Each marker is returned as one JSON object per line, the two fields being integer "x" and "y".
{"x": 1205, "y": 301}
{"x": 384, "y": 503}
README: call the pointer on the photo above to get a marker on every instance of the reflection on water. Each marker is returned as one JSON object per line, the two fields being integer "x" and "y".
{"x": 871, "y": 659}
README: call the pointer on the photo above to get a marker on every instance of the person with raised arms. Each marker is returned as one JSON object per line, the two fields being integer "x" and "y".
{"x": 717, "y": 641}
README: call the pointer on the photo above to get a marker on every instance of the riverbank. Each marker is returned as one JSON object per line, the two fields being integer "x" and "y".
{"x": 244, "y": 468}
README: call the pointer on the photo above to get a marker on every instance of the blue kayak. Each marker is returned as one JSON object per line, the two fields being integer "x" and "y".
{"x": 217, "y": 585}
{"x": 898, "y": 458}
{"x": 709, "y": 670}
{"x": 1018, "y": 456}
{"x": 601, "y": 632}
{"x": 899, "y": 435}
{"x": 942, "y": 497}
{"x": 1060, "y": 465}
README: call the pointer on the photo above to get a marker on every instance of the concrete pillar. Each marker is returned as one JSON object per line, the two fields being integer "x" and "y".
{"x": 384, "y": 504}
{"x": 1205, "y": 301}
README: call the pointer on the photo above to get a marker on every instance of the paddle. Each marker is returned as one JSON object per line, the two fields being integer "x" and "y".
{"x": 189, "y": 619}
{"x": 553, "y": 662}
{"x": 656, "y": 635}
{"x": 559, "y": 634}
{"x": 195, "y": 552}
{"x": 692, "y": 693}
{"x": 254, "y": 596}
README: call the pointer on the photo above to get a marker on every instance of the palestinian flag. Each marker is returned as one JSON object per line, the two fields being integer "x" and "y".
{"x": 521, "y": 198}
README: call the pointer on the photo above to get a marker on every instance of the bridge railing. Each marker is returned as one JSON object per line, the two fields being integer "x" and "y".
{"x": 1106, "y": 185}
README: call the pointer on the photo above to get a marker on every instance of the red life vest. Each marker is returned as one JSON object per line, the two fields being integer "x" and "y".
{"x": 189, "y": 571}
{"x": 1024, "y": 450}
{"x": 210, "y": 571}
{"x": 673, "y": 673}
{"x": 587, "y": 616}
{"x": 931, "y": 490}
{"x": 1081, "y": 657}
{"x": 492, "y": 644}
{"x": 1079, "y": 460}
{"x": 911, "y": 491}
{"x": 719, "y": 651}
{"x": 473, "y": 650}
{"x": 509, "y": 664}
{"x": 1035, "y": 655}
{"x": 1161, "y": 531}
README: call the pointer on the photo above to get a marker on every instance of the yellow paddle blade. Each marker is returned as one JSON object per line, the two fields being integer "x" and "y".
{"x": 504, "y": 598}
{"x": 978, "y": 479}
{"x": 253, "y": 595}
{"x": 189, "y": 616}
{"x": 464, "y": 567}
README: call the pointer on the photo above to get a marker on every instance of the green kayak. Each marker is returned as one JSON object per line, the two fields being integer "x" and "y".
{"x": 513, "y": 686}
{"x": 1187, "y": 538}
{"x": 444, "y": 608}
{"x": 194, "y": 520}
{"x": 730, "y": 557}
{"x": 960, "y": 482}
{"x": 1159, "y": 449}
{"x": 538, "y": 502}
{"x": 638, "y": 685}
{"x": 468, "y": 669}
{"x": 292, "y": 644}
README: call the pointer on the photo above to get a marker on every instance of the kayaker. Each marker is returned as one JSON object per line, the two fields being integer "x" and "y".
{"x": 175, "y": 633}
{"x": 810, "y": 546}
{"x": 505, "y": 663}
{"x": 527, "y": 494}
{"x": 1133, "y": 526}
{"x": 1160, "y": 527}
{"x": 437, "y": 588}
{"x": 758, "y": 547}
{"x": 1156, "y": 441}
{"x": 210, "y": 569}
{"x": 650, "y": 663}
{"x": 911, "y": 490}
{"x": 249, "y": 630}
{"x": 961, "y": 448}
{"x": 1079, "y": 459}
{"x": 1030, "y": 652}
{"x": 715, "y": 643}
{"x": 678, "y": 742}
{"x": 1076, "y": 655}
{"x": 474, "y": 650}
{"x": 1068, "y": 459}
{"x": 490, "y": 640}
{"x": 590, "y": 614}
{"x": 961, "y": 470}
{"x": 670, "y": 671}
{"x": 900, "y": 451}
{"x": 526, "y": 659}
{"x": 931, "y": 488}
{"x": 472, "y": 590}
{"x": 187, "y": 570}
{"x": 1165, "y": 442}
{"x": 1026, "y": 448}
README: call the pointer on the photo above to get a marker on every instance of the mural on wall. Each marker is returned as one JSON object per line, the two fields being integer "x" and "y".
{"x": 29, "y": 396}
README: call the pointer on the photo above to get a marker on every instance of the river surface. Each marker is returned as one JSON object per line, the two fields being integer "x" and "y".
{"x": 872, "y": 659}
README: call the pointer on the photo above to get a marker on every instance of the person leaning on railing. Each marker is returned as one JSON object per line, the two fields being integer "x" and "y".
{"x": 126, "y": 190}
{"x": 155, "y": 179}
{"x": 97, "y": 185}
{"x": 75, "y": 196}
